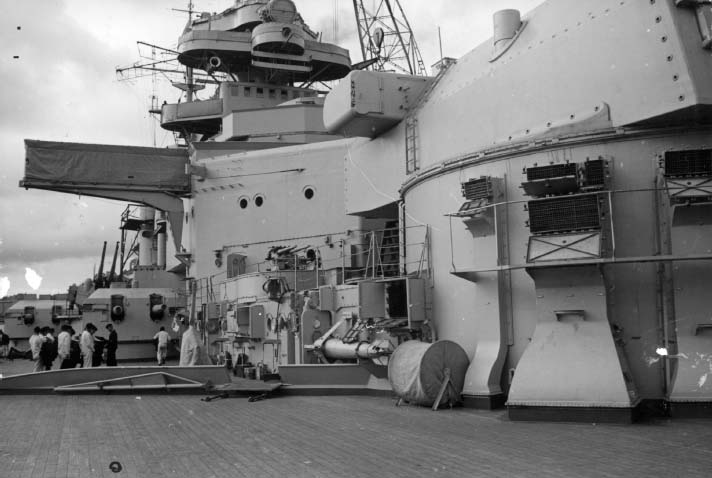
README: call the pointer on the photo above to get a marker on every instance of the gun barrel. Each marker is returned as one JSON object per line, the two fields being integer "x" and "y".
{"x": 336, "y": 349}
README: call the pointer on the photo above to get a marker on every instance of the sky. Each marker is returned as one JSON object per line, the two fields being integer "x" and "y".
{"x": 58, "y": 61}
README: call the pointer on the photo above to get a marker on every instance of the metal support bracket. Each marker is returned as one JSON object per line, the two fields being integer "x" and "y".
{"x": 564, "y": 247}
{"x": 446, "y": 383}
{"x": 702, "y": 22}
{"x": 692, "y": 3}
{"x": 145, "y": 381}
{"x": 682, "y": 189}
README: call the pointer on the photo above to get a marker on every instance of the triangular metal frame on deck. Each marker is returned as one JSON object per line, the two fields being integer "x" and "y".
{"x": 168, "y": 381}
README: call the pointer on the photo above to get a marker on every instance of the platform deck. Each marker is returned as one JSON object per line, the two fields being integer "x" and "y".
{"x": 158, "y": 436}
{"x": 182, "y": 436}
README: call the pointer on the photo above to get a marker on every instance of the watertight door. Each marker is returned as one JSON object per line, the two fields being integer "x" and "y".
{"x": 257, "y": 322}
{"x": 416, "y": 302}
{"x": 372, "y": 300}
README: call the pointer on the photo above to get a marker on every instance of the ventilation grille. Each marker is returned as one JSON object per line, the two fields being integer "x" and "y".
{"x": 696, "y": 162}
{"x": 558, "y": 179}
{"x": 564, "y": 214}
{"x": 477, "y": 189}
{"x": 593, "y": 174}
{"x": 551, "y": 171}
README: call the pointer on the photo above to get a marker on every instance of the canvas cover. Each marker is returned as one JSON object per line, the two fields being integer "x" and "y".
{"x": 416, "y": 371}
{"x": 55, "y": 163}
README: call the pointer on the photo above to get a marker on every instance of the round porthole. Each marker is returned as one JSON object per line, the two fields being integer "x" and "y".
{"x": 243, "y": 202}
{"x": 259, "y": 200}
{"x": 309, "y": 192}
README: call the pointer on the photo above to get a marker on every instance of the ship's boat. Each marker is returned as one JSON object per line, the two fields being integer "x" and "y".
{"x": 542, "y": 202}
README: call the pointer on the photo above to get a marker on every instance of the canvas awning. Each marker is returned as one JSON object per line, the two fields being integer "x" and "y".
{"x": 155, "y": 177}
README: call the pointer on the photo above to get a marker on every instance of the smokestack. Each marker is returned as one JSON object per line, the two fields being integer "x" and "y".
{"x": 145, "y": 236}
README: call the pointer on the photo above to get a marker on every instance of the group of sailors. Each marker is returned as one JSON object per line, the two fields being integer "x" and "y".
{"x": 72, "y": 349}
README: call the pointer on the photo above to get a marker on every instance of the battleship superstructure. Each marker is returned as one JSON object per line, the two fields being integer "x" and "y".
{"x": 543, "y": 202}
{"x": 24, "y": 312}
{"x": 152, "y": 297}
{"x": 137, "y": 306}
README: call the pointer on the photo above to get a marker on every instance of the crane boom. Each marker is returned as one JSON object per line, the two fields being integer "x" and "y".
{"x": 385, "y": 34}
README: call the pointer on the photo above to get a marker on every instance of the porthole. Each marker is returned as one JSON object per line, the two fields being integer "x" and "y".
{"x": 243, "y": 202}
{"x": 309, "y": 192}
{"x": 259, "y": 200}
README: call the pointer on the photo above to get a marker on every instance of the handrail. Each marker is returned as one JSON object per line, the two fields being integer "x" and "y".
{"x": 377, "y": 263}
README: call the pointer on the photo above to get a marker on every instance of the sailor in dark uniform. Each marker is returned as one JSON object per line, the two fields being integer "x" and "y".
{"x": 111, "y": 346}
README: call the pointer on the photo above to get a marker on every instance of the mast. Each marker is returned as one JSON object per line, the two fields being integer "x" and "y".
{"x": 190, "y": 86}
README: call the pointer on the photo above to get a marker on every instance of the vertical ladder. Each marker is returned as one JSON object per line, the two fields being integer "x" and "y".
{"x": 411, "y": 136}
{"x": 411, "y": 124}
{"x": 390, "y": 250}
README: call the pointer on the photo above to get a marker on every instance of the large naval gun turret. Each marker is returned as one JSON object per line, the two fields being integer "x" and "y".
{"x": 542, "y": 202}
{"x": 563, "y": 172}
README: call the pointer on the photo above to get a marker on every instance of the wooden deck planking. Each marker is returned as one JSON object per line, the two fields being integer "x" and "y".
{"x": 177, "y": 435}
{"x": 180, "y": 436}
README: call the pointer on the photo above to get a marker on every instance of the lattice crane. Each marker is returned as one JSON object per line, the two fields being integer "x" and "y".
{"x": 387, "y": 40}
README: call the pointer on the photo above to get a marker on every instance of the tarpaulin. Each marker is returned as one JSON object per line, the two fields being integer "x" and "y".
{"x": 109, "y": 165}
{"x": 416, "y": 371}
{"x": 155, "y": 177}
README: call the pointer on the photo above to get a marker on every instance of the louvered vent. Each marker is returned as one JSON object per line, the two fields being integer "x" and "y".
{"x": 564, "y": 214}
{"x": 567, "y": 178}
{"x": 551, "y": 171}
{"x": 475, "y": 189}
{"x": 685, "y": 164}
{"x": 593, "y": 174}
